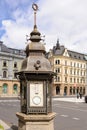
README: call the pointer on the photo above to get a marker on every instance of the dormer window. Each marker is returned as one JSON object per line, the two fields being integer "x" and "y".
{"x": 74, "y": 56}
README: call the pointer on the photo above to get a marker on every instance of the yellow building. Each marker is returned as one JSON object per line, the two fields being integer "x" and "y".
{"x": 71, "y": 71}
{"x": 10, "y": 62}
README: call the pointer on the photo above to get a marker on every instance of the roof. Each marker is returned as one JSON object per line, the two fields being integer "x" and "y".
{"x": 59, "y": 50}
{"x": 76, "y": 55}
{"x": 4, "y": 48}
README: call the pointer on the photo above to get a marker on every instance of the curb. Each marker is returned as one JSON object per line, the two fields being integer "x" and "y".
{"x": 70, "y": 100}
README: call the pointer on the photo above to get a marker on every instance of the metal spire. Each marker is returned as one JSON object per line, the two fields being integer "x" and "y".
{"x": 35, "y": 8}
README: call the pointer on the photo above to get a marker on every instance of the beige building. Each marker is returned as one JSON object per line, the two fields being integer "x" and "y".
{"x": 10, "y": 62}
{"x": 71, "y": 71}
{"x": 70, "y": 68}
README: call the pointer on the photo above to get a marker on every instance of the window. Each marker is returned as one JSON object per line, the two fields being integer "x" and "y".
{"x": 81, "y": 65}
{"x": 81, "y": 80}
{"x": 77, "y": 80}
{"x": 74, "y": 80}
{"x": 77, "y": 64}
{"x": 84, "y": 65}
{"x": 70, "y": 71}
{"x": 15, "y": 65}
{"x": 57, "y": 70}
{"x": 73, "y": 90}
{"x": 65, "y": 90}
{"x": 5, "y": 88}
{"x": 14, "y": 75}
{"x": 65, "y": 62}
{"x": 57, "y": 62}
{"x": 77, "y": 72}
{"x": 74, "y": 64}
{"x": 70, "y": 80}
{"x": 57, "y": 90}
{"x": 70, "y": 90}
{"x": 4, "y": 64}
{"x": 15, "y": 89}
{"x": 65, "y": 71}
{"x": 4, "y": 74}
{"x": 57, "y": 79}
{"x": 83, "y": 90}
{"x": 66, "y": 79}
{"x": 74, "y": 56}
{"x": 84, "y": 73}
{"x": 81, "y": 72}
{"x": 71, "y": 63}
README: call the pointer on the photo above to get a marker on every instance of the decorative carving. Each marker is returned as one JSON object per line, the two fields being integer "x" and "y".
{"x": 37, "y": 65}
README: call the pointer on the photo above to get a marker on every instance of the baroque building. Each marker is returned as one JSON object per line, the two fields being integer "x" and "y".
{"x": 10, "y": 61}
{"x": 71, "y": 71}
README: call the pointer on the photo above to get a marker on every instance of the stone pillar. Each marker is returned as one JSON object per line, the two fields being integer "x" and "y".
{"x": 36, "y": 122}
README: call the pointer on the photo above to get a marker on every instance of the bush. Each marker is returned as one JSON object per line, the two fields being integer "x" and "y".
{"x": 86, "y": 99}
{"x": 1, "y": 127}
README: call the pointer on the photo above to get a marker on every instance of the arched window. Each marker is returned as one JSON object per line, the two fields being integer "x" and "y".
{"x": 65, "y": 90}
{"x": 57, "y": 62}
{"x": 80, "y": 89}
{"x": 15, "y": 89}
{"x": 5, "y": 88}
{"x": 4, "y": 74}
{"x": 70, "y": 90}
{"x": 74, "y": 90}
{"x": 84, "y": 91}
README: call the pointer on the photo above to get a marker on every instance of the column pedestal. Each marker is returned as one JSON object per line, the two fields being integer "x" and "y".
{"x": 35, "y": 122}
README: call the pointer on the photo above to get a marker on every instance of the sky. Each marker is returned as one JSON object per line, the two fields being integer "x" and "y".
{"x": 65, "y": 20}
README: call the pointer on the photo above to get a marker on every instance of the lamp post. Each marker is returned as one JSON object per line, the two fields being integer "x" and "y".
{"x": 35, "y": 86}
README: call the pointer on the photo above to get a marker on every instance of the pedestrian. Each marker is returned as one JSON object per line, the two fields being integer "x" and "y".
{"x": 80, "y": 94}
{"x": 77, "y": 95}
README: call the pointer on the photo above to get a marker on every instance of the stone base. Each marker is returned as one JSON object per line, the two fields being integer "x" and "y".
{"x": 36, "y": 122}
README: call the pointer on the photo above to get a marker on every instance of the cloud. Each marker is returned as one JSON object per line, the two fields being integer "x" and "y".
{"x": 15, "y": 35}
{"x": 63, "y": 19}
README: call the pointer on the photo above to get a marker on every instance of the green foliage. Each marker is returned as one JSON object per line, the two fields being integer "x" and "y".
{"x": 1, "y": 127}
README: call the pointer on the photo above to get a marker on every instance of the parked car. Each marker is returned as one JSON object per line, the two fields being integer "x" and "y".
{"x": 86, "y": 99}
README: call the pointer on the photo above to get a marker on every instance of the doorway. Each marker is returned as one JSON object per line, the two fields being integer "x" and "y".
{"x": 57, "y": 90}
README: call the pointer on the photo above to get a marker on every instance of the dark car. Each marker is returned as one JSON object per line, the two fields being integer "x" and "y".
{"x": 86, "y": 99}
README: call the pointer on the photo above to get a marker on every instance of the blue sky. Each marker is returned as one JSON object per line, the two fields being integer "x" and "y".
{"x": 65, "y": 20}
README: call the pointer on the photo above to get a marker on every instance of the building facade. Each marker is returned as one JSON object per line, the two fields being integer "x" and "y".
{"x": 71, "y": 71}
{"x": 10, "y": 62}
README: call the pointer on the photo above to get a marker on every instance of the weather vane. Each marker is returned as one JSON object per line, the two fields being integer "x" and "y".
{"x": 35, "y": 8}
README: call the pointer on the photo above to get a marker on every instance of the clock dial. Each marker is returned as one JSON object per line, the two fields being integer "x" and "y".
{"x": 36, "y": 100}
{"x": 36, "y": 94}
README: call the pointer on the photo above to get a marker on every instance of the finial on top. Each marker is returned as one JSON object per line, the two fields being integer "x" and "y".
{"x": 57, "y": 44}
{"x": 35, "y": 8}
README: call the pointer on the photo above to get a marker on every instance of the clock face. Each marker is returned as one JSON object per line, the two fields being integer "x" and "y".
{"x": 36, "y": 94}
{"x": 36, "y": 100}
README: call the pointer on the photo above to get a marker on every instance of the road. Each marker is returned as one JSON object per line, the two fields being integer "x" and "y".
{"x": 8, "y": 109}
{"x": 69, "y": 116}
